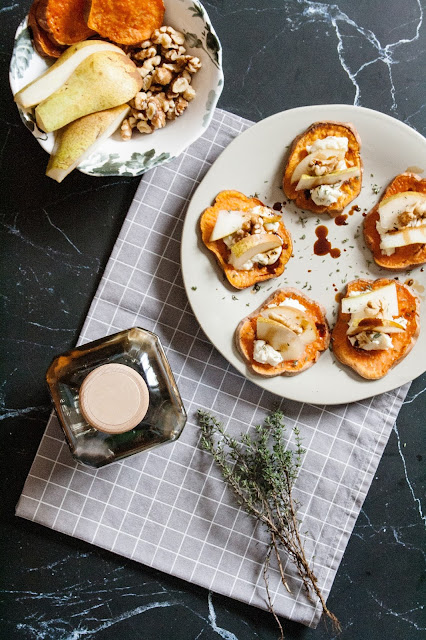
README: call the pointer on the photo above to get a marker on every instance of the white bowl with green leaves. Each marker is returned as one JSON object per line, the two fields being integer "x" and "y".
{"x": 143, "y": 151}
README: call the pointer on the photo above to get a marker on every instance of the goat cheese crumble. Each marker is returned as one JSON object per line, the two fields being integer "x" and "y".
{"x": 330, "y": 142}
{"x": 326, "y": 194}
{"x": 265, "y": 354}
{"x": 289, "y": 302}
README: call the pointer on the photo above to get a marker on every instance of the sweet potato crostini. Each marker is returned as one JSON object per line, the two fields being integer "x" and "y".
{"x": 324, "y": 168}
{"x": 395, "y": 229}
{"x": 377, "y": 326}
{"x": 284, "y": 336}
{"x": 249, "y": 240}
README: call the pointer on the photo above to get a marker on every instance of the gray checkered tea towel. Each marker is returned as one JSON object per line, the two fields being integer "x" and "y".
{"x": 169, "y": 508}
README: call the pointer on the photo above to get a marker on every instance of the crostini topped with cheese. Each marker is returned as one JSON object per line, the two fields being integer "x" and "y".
{"x": 324, "y": 168}
{"x": 377, "y": 326}
{"x": 395, "y": 229}
{"x": 249, "y": 240}
{"x": 285, "y": 335}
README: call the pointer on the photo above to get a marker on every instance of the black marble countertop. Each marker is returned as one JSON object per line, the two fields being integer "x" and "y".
{"x": 55, "y": 242}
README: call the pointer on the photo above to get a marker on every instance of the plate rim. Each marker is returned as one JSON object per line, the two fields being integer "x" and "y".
{"x": 365, "y": 392}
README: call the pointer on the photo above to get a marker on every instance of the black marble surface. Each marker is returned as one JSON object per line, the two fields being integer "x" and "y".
{"x": 55, "y": 242}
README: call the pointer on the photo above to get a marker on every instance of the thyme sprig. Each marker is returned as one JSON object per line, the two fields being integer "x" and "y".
{"x": 261, "y": 472}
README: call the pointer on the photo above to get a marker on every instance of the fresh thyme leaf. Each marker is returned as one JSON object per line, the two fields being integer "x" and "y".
{"x": 261, "y": 472}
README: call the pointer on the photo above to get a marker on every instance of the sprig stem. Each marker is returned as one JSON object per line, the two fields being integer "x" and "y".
{"x": 261, "y": 471}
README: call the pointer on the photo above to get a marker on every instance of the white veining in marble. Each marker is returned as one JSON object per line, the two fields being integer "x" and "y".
{"x": 404, "y": 464}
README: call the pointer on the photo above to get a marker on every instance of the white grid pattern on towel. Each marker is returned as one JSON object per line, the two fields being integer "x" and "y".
{"x": 169, "y": 508}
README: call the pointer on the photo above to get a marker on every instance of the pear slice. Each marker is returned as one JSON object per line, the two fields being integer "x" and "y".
{"x": 304, "y": 165}
{"x": 281, "y": 338}
{"x": 293, "y": 319}
{"x": 80, "y": 138}
{"x": 391, "y": 208}
{"x": 310, "y": 182}
{"x": 380, "y": 325}
{"x": 227, "y": 222}
{"x": 386, "y": 295}
{"x": 103, "y": 80}
{"x": 52, "y": 79}
{"x": 403, "y": 238}
{"x": 250, "y": 246}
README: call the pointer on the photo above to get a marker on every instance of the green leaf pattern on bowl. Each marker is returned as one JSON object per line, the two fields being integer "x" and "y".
{"x": 22, "y": 54}
{"x": 211, "y": 101}
{"x": 211, "y": 44}
{"x": 112, "y": 165}
{"x": 197, "y": 11}
{"x": 28, "y": 118}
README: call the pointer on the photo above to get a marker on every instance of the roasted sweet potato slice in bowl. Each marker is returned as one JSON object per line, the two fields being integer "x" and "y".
{"x": 63, "y": 20}
{"x": 43, "y": 43}
{"x": 125, "y": 21}
{"x": 236, "y": 202}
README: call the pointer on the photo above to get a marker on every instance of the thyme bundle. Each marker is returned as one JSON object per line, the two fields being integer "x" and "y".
{"x": 261, "y": 473}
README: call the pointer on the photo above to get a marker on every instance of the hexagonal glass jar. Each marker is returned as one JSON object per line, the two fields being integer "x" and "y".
{"x": 142, "y": 351}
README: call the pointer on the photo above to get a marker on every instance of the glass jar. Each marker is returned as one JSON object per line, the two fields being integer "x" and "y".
{"x": 116, "y": 396}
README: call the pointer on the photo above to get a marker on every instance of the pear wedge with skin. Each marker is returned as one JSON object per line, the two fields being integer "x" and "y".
{"x": 80, "y": 138}
{"x": 56, "y": 75}
{"x": 103, "y": 80}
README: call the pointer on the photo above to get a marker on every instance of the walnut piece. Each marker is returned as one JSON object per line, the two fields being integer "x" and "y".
{"x": 167, "y": 71}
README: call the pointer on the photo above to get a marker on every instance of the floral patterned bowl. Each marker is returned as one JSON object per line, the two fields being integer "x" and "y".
{"x": 116, "y": 157}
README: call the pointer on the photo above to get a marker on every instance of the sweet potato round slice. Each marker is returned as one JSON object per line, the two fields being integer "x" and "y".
{"x": 403, "y": 257}
{"x": 245, "y": 335}
{"x": 376, "y": 364}
{"x": 316, "y": 131}
{"x": 240, "y": 279}
{"x": 125, "y": 21}
{"x": 42, "y": 42}
{"x": 64, "y": 20}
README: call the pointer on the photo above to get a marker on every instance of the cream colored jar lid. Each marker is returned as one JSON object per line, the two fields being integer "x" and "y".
{"x": 114, "y": 398}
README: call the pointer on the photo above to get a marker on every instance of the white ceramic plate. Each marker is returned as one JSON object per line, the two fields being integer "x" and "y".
{"x": 254, "y": 163}
{"x": 142, "y": 152}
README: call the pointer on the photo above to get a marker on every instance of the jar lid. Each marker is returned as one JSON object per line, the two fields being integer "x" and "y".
{"x": 114, "y": 398}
